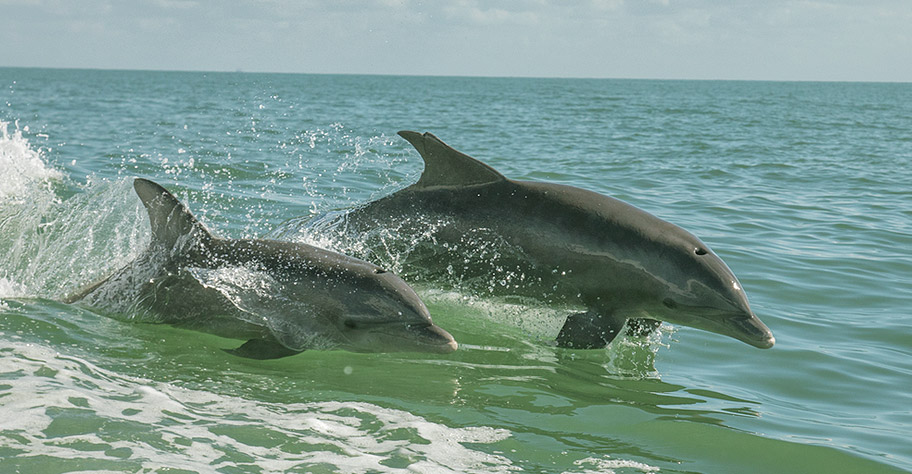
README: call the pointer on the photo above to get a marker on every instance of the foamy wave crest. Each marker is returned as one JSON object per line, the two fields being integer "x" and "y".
{"x": 68, "y": 410}
{"x": 23, "y": 168}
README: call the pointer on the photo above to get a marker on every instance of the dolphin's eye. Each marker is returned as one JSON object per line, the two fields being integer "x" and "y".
{"x": 669, "y": 303}
{"x": 350, "y": 324}
{"x": 379, "y": 271}
{"x": 700, "y": 251}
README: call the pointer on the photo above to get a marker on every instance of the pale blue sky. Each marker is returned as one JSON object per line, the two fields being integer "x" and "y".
{"x": 832, "y": 40}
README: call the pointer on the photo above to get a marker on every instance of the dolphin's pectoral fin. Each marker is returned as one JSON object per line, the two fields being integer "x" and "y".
{"x": 642, "y": 327}
{"x": 262, "y": 349}
{"x": 84, "y": 291}
{"x": 589, "y": 330}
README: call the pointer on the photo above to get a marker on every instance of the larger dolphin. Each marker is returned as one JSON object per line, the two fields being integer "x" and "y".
{"x": 558, "y": 243}
{"x": 282, "y": 297}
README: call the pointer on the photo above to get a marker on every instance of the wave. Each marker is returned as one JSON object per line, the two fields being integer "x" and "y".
{"x": 152, "y": 425}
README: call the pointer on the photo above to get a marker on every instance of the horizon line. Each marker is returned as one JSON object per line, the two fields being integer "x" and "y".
{"x": 466, "y": 76}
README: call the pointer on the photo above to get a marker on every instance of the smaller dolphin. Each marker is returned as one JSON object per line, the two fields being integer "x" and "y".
{"x": 282, "y": 297}
{"x": 558, "y": 244}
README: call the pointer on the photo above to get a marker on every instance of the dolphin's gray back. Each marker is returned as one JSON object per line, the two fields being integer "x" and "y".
{"x": 560, "y": 243}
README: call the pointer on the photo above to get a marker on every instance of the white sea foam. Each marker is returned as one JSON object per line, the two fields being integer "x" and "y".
{"x": 54, "y": 403}
{"x": 11, "y": 289}
{"x": 23, "y": 167}
{"x": 610, "y": 466}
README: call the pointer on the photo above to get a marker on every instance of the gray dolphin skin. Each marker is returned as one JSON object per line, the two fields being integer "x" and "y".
{"x": 560, "y": 244}
{"x": 281, "y": 297}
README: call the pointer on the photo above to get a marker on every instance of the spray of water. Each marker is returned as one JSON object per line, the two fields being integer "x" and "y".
{"x": 50, "y": 245}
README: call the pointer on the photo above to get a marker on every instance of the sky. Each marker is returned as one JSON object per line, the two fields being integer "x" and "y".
{"x": 820, "y": 40}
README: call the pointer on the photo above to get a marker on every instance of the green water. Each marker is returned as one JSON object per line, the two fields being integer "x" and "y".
{"x": 802, "y": 188}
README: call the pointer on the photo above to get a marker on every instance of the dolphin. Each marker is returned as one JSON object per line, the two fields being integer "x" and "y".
{"x": 562, "y": 245}
{"x": 281, "y": 297}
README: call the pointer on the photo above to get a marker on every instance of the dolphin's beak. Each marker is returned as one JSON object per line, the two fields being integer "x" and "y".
{"x": 433, "y": 338}
{"x": 751, "y": 331}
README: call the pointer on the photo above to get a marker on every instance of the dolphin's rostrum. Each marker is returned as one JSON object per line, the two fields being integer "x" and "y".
{"x": 282, "y": 297}
{"x": 558, "y": 243}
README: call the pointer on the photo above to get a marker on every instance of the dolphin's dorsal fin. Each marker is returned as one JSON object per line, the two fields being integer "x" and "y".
{"x": 446, "y": 167}
{"x": 171, "y": 221}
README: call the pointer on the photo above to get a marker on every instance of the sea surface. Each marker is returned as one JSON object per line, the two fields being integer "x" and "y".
{"x": 804, "y": 189}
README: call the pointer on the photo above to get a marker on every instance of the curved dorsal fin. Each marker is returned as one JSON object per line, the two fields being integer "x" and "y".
{"x": 444, "y": 166}
{"x": 170, "y": 219}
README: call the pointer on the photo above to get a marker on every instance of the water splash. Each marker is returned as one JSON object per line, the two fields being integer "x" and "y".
{"x": 483, "y": 261}
{"x": 50, "y": 245}
{"x": 24, "y": 168}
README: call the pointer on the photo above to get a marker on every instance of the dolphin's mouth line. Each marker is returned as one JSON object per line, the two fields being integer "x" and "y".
{"x": 748, "y": 329}
{"x": 378, "y": 326}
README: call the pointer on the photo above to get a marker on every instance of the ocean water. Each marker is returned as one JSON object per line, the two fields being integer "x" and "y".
{"x": 804, "y": 189}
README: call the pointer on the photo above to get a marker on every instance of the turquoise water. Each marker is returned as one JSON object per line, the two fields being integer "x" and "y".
{"x": 802, "y": 188}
